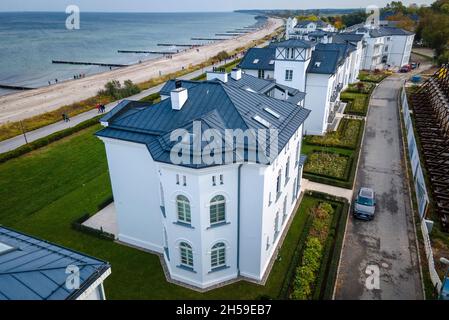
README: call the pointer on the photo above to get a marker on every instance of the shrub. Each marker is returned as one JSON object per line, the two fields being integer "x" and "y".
{"x": 222, "y": 55}
{"x": 306, "y": 273}
{"x": 357, "y": 103}
{"x": 361, "y": 87}
{"x": 115, "y": 90}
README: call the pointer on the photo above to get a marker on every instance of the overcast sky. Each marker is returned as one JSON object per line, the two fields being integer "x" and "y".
{"x": 185, "y": 5}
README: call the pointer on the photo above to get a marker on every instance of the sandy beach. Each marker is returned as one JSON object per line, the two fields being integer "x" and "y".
{"x": 22, "y": 105}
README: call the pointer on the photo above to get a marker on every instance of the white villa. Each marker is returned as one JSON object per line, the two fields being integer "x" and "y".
{"x": 295, "y": 28}
{"x": 212, "y": 222}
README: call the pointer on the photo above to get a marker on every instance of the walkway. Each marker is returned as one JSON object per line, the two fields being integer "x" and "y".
{"x": 379, "y": 258}
{"x": 324, "y": 188}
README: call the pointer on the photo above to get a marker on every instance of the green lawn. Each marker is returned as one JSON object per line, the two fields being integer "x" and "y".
{"x": 327, "y": 164}
{"x": 44, "y": 191}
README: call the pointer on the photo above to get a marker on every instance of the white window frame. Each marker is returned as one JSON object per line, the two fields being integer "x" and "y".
{"x": 217, "y": 204}
{"x": 186, "y": 255}
{"x": 218, "y": 256}
{"x": 183, "y": 208}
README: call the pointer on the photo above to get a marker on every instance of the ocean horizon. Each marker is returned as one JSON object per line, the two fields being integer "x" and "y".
{"x": 31, "y": 40}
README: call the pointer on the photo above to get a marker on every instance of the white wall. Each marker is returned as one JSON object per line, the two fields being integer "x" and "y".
{"x": 299, "y": 71}
{"x": 134, "y": 179}
{"x": 319, "y": 90}
{"x": 269, "y": 74}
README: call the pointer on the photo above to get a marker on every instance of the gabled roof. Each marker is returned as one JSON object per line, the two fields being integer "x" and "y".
{"x": 33, "y": 269}
{"x": 292, "y": 43}
{"x": 324, "y": 62}
{"x": 327, "y": 57}
{"x": 259, "y": 59}
{"x": 216, "y": 105}
{"x": 347, "y": 37}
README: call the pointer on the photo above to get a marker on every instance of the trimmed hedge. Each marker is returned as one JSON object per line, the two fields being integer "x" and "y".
{"x": 320, "y": 154}
{"x": 342, "y": 138}
{"x": 369, "y": 76}
{"x": 357, "y": 103}
{"x": 78, "y": 225}
{"x": 42, "y": 142}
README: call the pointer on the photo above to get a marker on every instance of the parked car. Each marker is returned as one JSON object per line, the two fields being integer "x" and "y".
{"x": 365, "y": 204}
{"x": 405, "y": 69}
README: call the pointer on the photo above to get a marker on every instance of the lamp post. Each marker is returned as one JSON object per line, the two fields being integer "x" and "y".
{"x": 445, "y": 262}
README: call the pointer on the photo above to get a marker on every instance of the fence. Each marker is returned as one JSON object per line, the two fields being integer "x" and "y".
{"x": 429, "y": 254}
{"x": 420, "y": 188}
{"x": 418, "y": 176}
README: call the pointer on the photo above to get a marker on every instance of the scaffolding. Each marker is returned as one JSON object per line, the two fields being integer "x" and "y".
{"x": 431, "y": 113}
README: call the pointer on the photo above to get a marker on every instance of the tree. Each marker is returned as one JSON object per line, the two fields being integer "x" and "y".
{"x": 403, "y": 21}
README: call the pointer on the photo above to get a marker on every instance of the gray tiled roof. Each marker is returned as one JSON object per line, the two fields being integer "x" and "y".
{"x": 292, "y": 43}
{"x": 36, "y": 270}
{"x": 264, "y": 56}
{"x": 327, "y": 57}
{"x": 216, "y": 105}
{"x": 347, "y": 37}
{"x": 305, "y": 23}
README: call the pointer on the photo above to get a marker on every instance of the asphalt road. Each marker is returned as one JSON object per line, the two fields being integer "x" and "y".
{"x": 383, "y": 249}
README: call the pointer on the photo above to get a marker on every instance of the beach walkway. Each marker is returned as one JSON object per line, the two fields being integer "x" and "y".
{"x": 14, "y": 143}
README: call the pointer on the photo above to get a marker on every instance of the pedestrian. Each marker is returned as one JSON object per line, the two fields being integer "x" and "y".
{"x": 67, "y": 118}
{"x": 64, "y": 117}
{"x": 49, "y": 83}
{"x": 103, "y": 108}
{"x": 56, "y": 80}
{"x": 98, "y": 106}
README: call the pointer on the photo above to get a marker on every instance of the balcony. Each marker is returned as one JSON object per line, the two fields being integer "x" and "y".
{"x": 336, "y": 92}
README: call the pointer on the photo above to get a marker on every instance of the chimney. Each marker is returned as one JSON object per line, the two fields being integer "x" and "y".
{"x": 218, "y": 73}
{"x": 179, "y": 96}
{"x": 236, "y": 74}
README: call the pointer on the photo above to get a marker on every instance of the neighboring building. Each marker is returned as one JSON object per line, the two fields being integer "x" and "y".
{"x": 295, "y": 28}
{"x": 328, "y": 74}
{"x": 33, "y": 269}
{"x": 259, "y": 62}
{"x": 335, "y": 66}
{"x": 243, "y": 81}
{"x": 386, "y": 46}
{"x": 213, "y": 223}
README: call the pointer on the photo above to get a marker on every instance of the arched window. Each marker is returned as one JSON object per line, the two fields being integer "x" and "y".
{"x": 183, "y": 205}
{"x": 217, "y": 210}
{"x": 218, "y": 255}
{"x": 186, "y": 255}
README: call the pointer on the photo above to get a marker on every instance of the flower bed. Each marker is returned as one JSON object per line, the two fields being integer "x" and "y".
{"x": 328, "y": 164}
{"x": 357, "y": 103}
{"x": 361, "y": 87}
{"x": 346, "y": 136}
{"x": 372, "y": 76}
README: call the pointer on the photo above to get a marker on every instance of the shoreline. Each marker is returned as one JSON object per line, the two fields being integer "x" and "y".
{"x": 26, "y": 104}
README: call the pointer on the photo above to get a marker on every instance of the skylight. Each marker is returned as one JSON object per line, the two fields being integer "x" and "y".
{"x": 4, "y": 248}
{"x": 271, "y": 61}
{"x": 262, "y": 121}
{"x": 256, "y": 61}
{"x": 317, "y": 64}
{"x": 272, "y": 112}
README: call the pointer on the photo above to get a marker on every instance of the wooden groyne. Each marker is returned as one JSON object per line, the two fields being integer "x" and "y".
{"x": 149, "y": 52}
{"x": 6, "y": 86}
{"x": 180, "y": 45}
{"x": 228, "y": 34}
{"x": 208, "y": 39}
{"x": 90, "y": 63}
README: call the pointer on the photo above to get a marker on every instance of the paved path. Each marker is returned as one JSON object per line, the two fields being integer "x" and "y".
{"x": 385, "y": 246}
{"x": 335, "y": 191}
{"x": 13, "y": 143}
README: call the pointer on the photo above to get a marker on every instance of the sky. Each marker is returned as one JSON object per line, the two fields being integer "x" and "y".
{"x": 185, "y": 5}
